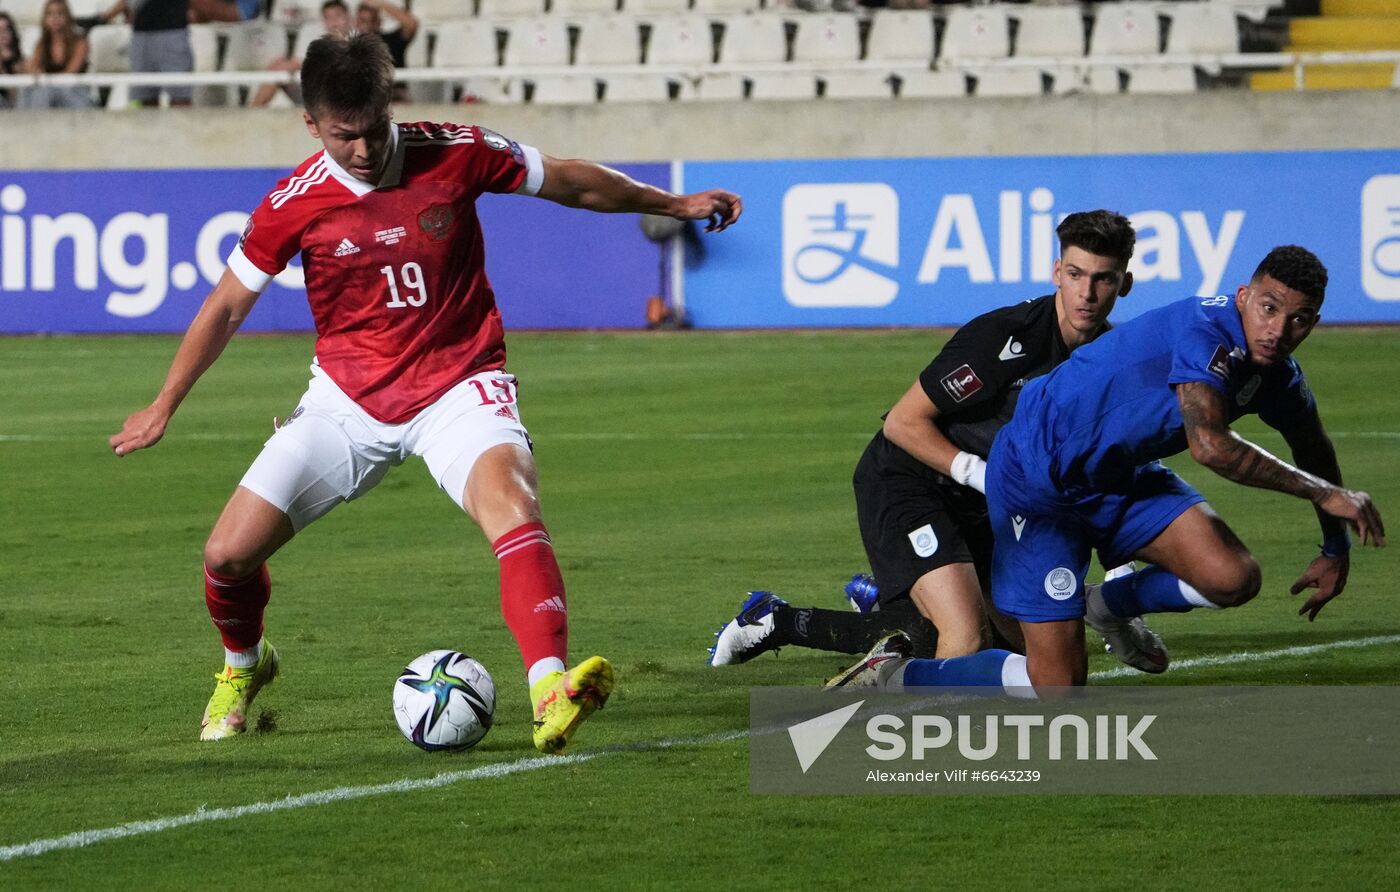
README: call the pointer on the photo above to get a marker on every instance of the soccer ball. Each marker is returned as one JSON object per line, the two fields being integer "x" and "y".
{"x": 444, "y": 700}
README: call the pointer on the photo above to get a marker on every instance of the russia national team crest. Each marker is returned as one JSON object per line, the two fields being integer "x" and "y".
{"x": 436, "y": 221}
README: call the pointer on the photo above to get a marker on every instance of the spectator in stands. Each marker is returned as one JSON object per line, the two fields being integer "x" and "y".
{"x": 11, "y": 57}
{"x": 335, "y": 19}
{"x": 160, "y": 41}
{"x": 369, "y": 21}
{"x": 61, "y": 49}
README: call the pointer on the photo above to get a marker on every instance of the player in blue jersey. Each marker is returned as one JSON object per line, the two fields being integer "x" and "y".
{"x": 1077, "y": 469}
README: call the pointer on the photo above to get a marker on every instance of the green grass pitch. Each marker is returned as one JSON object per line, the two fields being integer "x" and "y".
{"x": 678, "y": 472}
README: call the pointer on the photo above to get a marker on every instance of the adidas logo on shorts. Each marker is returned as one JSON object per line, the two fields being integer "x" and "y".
{"x": 346, "y": 247}
{"x": 505, "y": 412}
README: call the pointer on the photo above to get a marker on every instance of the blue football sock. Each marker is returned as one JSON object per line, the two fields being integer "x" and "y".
{"x": 983, "y": 669}
{"x": 1152, "y": 590}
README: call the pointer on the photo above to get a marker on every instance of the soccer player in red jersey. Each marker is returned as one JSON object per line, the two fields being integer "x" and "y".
{"x": 410, "y": 360}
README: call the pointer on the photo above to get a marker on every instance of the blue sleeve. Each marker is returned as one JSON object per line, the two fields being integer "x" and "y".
{"x": 1288, "y": 400}
{"x": 1201, "y": 353}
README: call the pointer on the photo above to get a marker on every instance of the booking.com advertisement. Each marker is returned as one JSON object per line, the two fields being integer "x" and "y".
{"x": 938, "y": 241}
{"x": 137, "y": 251}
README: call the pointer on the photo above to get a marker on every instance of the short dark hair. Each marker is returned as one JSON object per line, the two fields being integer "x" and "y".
{"x": 1101, "y": 232}
{"x": 331, "y": 4}
{"x": 351, "y": 77}
{"x": 1297, "y": 268}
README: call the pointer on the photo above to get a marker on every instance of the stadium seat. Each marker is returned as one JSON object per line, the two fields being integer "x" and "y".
{"x": 579, "y": 8}
{"x": 25, "y": 12}
{"x": 823, "y": 37}
{"x": 1103, "y": 79}
{"x": 782, "y": 85}
{"x": 720, "y": 86}
{"x": 681, "y": 40}
{"x": 857, "y": 85}
{"x": 757, "y": 37}
{"x": 1050, "y": 31}
{"x": 901, "y": 36}
{"x": 253, "y": 46}
{"x": 29, "y": 39}
{"x": 1125, "y": 29}
{"x": 976, "y": 32}
{"x": 417, "y": 55}
{"x": 1008, "y": 82}
{"x": 436, "y": 12}
{"x": 648, "y": 8}
{"x": 204, "y": 47}
{"x": 466, "y": 44}
{"x": 108, "y": 48}
{"x": 608, "y": 40}
{"x": 931, "y": 84}
{"x": 1395, "y": 78}
{"x": 1162, "y": 79}
{"x": 305, "y": 34}
{"x": 726, "y": 7}
{"x": 564, "y": 89}
{"x": 1203, "y": 28}
{"x": 295, "y": 13}
{"x": 636, "y": 88}
{"x": 537, "y": 42}
{"x": 509, "y": 9}
{"x": 492, "y": 91}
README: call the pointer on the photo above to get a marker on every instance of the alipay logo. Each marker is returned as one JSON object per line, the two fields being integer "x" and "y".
{"x": 1380, "y": 237}
{"x": 840, "y": 245}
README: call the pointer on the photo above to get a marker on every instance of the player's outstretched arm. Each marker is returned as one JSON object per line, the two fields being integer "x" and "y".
{"x": 910, "y": 426}
{"x": 593, "y": 187}
{"x": 1214, "y": 445}
{"x": 223, "y": 311}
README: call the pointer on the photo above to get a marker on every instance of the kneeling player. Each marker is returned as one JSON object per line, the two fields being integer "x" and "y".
{"x": 919, "y": 484}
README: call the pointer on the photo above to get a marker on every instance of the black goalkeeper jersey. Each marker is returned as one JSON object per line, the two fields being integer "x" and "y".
{"x": 977, "y": 376}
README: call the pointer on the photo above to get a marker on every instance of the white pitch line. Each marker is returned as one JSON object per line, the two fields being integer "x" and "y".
{"x": 502, "y": 769}
{"x": 1305, "y": 650}
{"x": 340, "y": 794}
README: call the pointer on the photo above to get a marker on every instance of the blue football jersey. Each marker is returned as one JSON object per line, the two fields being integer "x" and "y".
{"x": 1112, "y": 407}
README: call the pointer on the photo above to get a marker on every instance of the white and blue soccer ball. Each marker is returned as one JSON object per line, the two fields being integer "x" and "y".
{"x": 444, "y": 700}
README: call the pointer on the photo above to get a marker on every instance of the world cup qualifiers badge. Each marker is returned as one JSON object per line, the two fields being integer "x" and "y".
{"x": 1060, "y": 584}
{"x": 494, "y": 140}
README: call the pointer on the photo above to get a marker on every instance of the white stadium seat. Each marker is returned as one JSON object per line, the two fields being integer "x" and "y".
{"x": 900, "y": 36}
{"x": 758, "y": 37}
{"x": 1008, "y": 82}
{"x": 204, "y": 47}
{"x": 681, "y": 40}
{"x": 1162, "y": 79}
{"x": 648, "y": 8}
{"x": 578, "y": 8}
{"x": 1125, "y": 29}
{"x": 857, "y": 85}
{"x": 722, "y": 87}
{"x": 108, "y": 48}
{"x": 564, "y": 89}
{"x": 25, "y": 12}
{"x": 435, "y": 11}
{"x": 976, "y": 32}
{"x": 1050, "y": 31}
{"x": 782, "y": 85}
{"x": 253, "y": 46}
{"x": 295, "y": 13}
{"x": 636, "y": 88}
{"x": 931, "y": 84}
{"x": 608, "y": 40}
{"x": 492, "y": 90}
{"x": 1103, "y": 79}
{"x": 535, "y": 42}
{"x": 1203, "y": 28}
{"x": 826, "y": 38}
{"x": 465, "y": 44}
{"x": 725, "y": 7}
{"x": 510, "y": 9}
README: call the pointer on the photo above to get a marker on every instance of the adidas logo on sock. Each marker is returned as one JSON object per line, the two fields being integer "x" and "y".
{"x": 555, "y": 603}
{"x": 346, "y": 247}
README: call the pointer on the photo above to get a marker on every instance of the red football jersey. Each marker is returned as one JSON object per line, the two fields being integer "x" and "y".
{"x": 395, "y": 274}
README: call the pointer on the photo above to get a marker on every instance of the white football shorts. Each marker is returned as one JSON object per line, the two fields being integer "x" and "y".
{"x": 331, "y": 451}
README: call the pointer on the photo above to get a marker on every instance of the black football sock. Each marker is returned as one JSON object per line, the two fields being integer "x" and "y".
{"x": 846, "y": 631}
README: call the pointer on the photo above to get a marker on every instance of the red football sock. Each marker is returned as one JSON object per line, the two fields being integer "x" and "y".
{"x": 532, "y": 593}
{"x": 236, "y": 606}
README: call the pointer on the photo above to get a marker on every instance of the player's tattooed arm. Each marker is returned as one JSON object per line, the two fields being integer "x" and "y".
{"x": 1205, "y": 414}
{"x": 1214, "y": 445}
